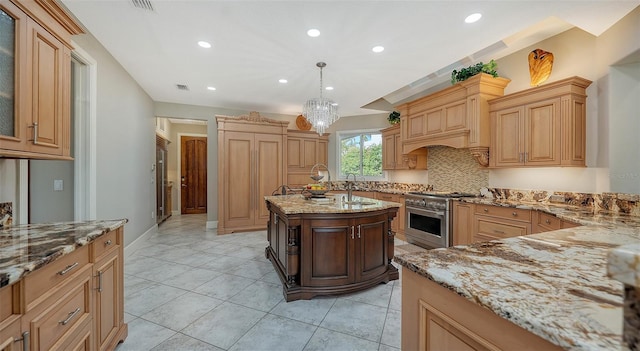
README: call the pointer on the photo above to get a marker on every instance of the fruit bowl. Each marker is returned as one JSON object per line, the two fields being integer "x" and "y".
{"x": 318, "y": 192}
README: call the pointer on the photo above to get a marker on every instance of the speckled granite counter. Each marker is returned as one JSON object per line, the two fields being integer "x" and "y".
{"x": 292, "y": 204}
{"x": 26, "y": 248}
{"x": 552, "y": 284}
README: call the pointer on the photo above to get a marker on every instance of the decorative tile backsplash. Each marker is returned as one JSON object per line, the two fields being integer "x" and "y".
{"x": 455, "y": 170}
{"x": 6, "y": 214}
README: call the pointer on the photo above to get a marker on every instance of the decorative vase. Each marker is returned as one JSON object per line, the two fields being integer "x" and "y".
{"x": 540, "y": 64}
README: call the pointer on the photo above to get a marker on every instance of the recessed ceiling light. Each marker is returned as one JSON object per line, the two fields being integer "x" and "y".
{"x": 283, "y": 81}
{"x": 328, "y": 88}
{"x": 211, "y": 88}
{"x": 378, "y": 48}
{"x": 204, "y": 44}
{"x": 335, "y": 104}
{"x": 474, "y": 17}
{"x": 313, "y": 33}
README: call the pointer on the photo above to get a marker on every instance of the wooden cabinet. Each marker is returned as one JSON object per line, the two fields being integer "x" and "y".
{"x": 304, "y": 150}
{"x": 392, "y": 155}
{"x": 462, "y": 223}
{"x": 495, "y": 222}
{"x": 36, "y": 107}
{"x": 108, "y": 272}
{"x": 73, "y": 303}
{"x": 457, "y": 116}
{"x": 542, "y": 126}
{"x": 398, "y": 223}
{"x": 544, "y": 222}
{"x": 435, "y": 318}
{"x": 251, "y": 165}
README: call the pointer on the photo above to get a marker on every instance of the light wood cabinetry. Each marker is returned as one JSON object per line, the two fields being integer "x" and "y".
{"x": 398, "y": 223}
{"x": 38, "y": 105}
{"x": 457, "y": 116}
{"x": 462, "y": 223}
{"x": 542, "y": 126}
{"x": 304, "y": 150}
{"x": 251, "y": 165}
{"x": 73, "y": 303}
{"x": 393, "y": 157}
{"x": 544, "y": 222}
{"x": 435, "y": 318}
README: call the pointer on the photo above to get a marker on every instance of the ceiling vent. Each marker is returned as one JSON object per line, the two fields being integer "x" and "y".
{"x": 142, "y": 4}
{"x": 182, "y": 87}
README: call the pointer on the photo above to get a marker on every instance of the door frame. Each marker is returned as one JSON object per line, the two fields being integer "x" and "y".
{"x": 179, "y": 167}
{"x": 85, "y": 135}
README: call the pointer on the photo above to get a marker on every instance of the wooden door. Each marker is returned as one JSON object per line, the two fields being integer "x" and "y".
{"x": 462, "y": 223}
{"x": 372, "y": 239}
{"x": 50, "y": 66}
{"x": 237, "y": 189}
{"x": 193, "y": 177}
{"x": 389, "y": 152}
{"x": 294, "y": 153}
{"x": 328, "y": 250}
{"x": 107, "y": 316}
{"x": 267, "y": 173}
{"x": 507, "y": 138}
{"x": 323, "y": 150}
{"x": 399, "y": 157}
{"x": 543, "y": 133}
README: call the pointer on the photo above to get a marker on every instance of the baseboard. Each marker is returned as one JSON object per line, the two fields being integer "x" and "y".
{"x": 175, "y": 213}
{"x": 212, "y": 224}
{"x": 138, "y": 243}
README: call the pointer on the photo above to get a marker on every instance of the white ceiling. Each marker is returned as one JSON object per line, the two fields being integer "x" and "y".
{"x": 255, "y": 43}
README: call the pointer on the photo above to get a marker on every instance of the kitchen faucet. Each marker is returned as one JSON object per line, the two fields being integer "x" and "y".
{"x": 350, "y": 186}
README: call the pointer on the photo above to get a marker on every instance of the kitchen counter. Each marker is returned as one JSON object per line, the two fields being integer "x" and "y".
{"x": 294, "y": 204}
{"x": 25, "y": 248}
{"x": 553, "y": 284}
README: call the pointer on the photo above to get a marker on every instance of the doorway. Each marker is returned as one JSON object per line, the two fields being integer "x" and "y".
{"x": 193, "y": 174}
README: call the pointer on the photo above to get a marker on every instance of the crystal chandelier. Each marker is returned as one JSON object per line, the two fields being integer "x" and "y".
{"x": 320, "y": 112}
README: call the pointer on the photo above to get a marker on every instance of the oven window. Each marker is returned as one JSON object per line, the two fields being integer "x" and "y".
{"x": 425, "y": 224}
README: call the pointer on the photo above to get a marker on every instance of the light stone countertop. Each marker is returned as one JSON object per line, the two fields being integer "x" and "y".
{"x": 553, "y": 284}
{"x": 297, "y": 204}
{"x": 25, "y": 248}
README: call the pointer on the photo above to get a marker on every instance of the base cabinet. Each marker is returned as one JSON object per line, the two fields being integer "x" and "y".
{"x": 398, "y": 223}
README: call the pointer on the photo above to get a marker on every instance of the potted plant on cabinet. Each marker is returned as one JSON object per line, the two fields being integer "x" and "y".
{"x": 466, "y": 73}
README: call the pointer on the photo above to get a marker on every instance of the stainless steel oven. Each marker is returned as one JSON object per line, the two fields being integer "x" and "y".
{"x": 428, "y": 222}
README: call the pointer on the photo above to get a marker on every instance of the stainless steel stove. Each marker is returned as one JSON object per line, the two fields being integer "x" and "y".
{"x": 429, "y": 219}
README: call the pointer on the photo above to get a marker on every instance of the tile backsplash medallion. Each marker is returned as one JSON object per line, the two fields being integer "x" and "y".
{"x": 455, "y": 170}
{"x": 6, "y": 214}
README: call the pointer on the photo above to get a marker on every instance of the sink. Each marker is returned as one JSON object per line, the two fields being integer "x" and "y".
{"x": 361, "y": 203}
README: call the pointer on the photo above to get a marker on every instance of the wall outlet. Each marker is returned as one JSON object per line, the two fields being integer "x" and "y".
{"x": 153, "y": 214}
{"x": 58, "y": 185}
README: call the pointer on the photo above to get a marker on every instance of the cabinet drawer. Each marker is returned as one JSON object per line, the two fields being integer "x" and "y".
{"x": 481, "y": 237}
{"x": 60, "y": 317}
{"x": 9, "y": 333}
{"x": 547, "y": 222}
{"x": 46, "y": 278}
{"x": 387, "y": 197}
{"x": 104, "y": 244}
{"x": 7, "y": 303}
{"x": 500, "y": 230}
{"x": 516, "y": 214}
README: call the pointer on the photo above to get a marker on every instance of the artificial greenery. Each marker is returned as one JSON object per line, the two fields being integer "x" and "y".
{"x": 394, "y": 117}
{"x": 466, "y": 73}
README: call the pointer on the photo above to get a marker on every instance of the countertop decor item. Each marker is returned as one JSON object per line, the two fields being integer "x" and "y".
{"x": 394, "y": 117}
{"x": 320, "y": 112}
{"x": 466, "y": 73}
{"x": 302, "y": 123}
{"x": 540, "y": 64}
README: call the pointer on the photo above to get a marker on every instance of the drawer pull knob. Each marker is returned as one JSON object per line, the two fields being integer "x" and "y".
{"x": 547, "y": 221}
{"x": 70, "y": 317}
{"x": 515, "y": 214}
{"x": 68, "y": 269}
{"x": 486, "y": 210}
{"x": 108, "y": 242}
{"x": 498, "y": 231}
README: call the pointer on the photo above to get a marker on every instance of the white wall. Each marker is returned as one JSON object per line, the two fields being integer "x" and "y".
{"x": 45, "y": 204}
{"x": 125, "y": 144}
{"x": 576, "y": 53}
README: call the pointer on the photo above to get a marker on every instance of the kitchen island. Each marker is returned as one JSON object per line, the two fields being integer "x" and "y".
{"x": 547, "y": 291}
{"x": 330, "y": 246}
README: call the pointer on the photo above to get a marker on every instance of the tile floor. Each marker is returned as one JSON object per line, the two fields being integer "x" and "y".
{"x": 190, "y": 289}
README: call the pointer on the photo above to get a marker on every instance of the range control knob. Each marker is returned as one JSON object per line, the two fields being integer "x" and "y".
{"x": 423, "y": 202}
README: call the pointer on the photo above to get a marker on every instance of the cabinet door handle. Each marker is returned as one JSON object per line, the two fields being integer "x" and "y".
{"x": 35, "y": 132}
{"x": 352, "y": 235}
{"x": 24, "y": 339}
{"x": 108, "y": 242}
{"x": 547, "y": 221}
{"x": 70, "y": 317}
{"x": 359, "y": 227}
{"x": 498, "y": 231}
{"x": 526, "y": 156}
{"x": 68, "y": 269}
{"x": 520, "y": 157}
{"x": 486, "y": 210}
{"x": 99, "y": 281}
{"x": 515, "y": 214}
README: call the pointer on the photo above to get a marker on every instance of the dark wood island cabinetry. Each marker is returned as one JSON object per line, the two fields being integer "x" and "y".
{"x": 330, "y": 247}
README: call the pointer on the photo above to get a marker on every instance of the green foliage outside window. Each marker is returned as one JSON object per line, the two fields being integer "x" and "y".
{"x": 361, "y": 154}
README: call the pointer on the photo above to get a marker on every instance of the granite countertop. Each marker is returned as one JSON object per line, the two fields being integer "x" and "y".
{"x": 25, "y": 248}
{"x": 296, "y": 204}
{"x": 552, "y": 284}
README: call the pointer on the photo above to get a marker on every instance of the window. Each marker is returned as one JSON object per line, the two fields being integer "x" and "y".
{"x": 360, "y": 153}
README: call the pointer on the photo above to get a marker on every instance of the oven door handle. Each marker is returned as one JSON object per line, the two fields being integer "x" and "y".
{"x": 423, "y": 211}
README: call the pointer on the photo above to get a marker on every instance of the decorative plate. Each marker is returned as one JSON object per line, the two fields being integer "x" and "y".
{"x": 302, "y": 123}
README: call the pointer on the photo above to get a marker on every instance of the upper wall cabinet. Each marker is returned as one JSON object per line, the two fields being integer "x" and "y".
{"x": 539, "y": 127}
{"x": 392, "y": 156}
{"x": 35, "y": 79}
{"x": 304, "y": 150}
{"x": 457, "y": 116}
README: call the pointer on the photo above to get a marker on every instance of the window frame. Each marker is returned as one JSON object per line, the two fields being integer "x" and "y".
{"x": 346, "y": 133}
